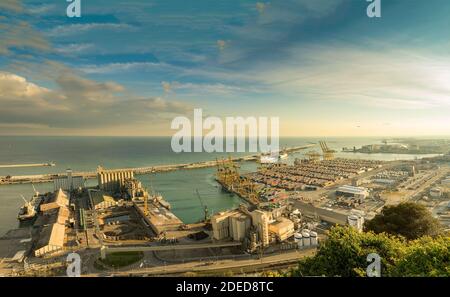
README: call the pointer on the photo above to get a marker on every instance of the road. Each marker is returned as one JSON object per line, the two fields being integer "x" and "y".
{"x": 325, "y": 215}
{"x": 216, "y": 267}
{"x": 156, "y": 248}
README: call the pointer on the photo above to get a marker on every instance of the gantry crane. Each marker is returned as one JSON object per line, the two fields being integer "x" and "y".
{"x": 328, "y": 154}
{"x": 313, "y": 156}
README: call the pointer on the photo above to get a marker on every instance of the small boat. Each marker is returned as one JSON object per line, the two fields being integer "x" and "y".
{"x": 283, "y": 155}
{"x": 268, "y": 159}
{"x": 273, "y": 157}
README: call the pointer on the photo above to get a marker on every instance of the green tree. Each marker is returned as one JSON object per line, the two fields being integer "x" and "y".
{"x": 410, "y": 220}
{"x": 345, "y": 251}
{"x": 425, "y": 257}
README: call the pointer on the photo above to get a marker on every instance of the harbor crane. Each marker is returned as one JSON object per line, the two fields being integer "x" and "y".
{"x": 26, "y": 202}
{"x": 35, "y": 191}
{"x": 313, "y": 156}
{"x": 205, "y": 208}
{"x": 328, "y": 154}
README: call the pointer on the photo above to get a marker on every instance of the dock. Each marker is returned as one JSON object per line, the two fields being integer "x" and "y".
{"x": 49, "y": 164}
{"x": 42, "y": 178}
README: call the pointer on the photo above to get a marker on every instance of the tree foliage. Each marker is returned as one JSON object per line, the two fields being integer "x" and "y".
{"x": 408, "y": 219}
{"x": 345, "y": 251}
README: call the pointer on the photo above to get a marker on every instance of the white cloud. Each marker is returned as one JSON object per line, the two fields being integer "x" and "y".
{"x": 389, "y": 78}
{"x": 73, "y": 29}
{"x": 74, "y": 48}
{"x": 78, "y": 103}
{"x": 120, "y": 67}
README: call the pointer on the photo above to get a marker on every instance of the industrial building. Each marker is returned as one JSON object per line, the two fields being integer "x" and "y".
{"x": 260, "y": 220}
{"x": 112, "y": 180}
{"x": 239, "y": 223}
{"x": 356, "y": 221}
{"x": 282, "y": 228}
{"x": 221, "y": 224}
{"x": 55, "y": 216}
{"x": 57, "y": 200}
{"x": 68, "y": 182}
{"x": 101, "y": 201}
{"x": 436, "y": 192}
{"x": 351, "y": 191}
{"x": 51, "y": 240}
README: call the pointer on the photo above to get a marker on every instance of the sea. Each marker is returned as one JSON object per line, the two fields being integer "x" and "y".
{"x": 179, "y": 188}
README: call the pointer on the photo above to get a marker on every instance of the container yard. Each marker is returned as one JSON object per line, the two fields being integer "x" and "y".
{"x": 307, "y": 175}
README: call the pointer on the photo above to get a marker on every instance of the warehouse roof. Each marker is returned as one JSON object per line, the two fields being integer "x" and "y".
{"x": 52, "y": 235}
{"x": 352, "y": 189}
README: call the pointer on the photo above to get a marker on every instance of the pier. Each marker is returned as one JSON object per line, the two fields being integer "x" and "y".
{"x": 42, "y": 178}
{"x": 49, "y": 164}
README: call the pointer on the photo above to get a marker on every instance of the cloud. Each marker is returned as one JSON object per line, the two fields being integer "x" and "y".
{"x": 74, "y": 48}
{"x": 40, "y": 9}
{"x": 74, "y": 29}
{"x": 11, "y": 5}
{"x": 282, "y": 25}
{"x": 20, "y": 34}
{"x": 387, "y": 78}
{"x": 121, "y": 67}
{"x": 78, "y": 103}
{"x": 204, "y": 88}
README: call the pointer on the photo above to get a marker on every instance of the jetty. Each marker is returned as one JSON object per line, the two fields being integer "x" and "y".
{"x": 49, "y": 164}
{"x": 42, "y": 178}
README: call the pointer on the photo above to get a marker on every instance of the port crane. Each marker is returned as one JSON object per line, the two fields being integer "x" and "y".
{"x": 36, "y": 193}
{"x": 205, "y": 208}
{"x": 26, "y": 202}
{"x": 328, "y": 154}
{"x": 313, "y": 156}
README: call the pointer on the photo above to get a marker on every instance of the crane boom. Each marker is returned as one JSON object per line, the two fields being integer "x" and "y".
{"x": 205, "y": 208}
{"x": 24, "y": 198}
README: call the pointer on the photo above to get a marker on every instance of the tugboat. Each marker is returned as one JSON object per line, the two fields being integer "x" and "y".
{"x": 30, "y": 208}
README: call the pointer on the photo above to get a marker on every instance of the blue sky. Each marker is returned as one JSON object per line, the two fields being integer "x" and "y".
{"x": 322, "y": 66}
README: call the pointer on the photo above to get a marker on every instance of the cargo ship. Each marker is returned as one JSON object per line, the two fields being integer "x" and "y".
{"x": 29, "y": 209}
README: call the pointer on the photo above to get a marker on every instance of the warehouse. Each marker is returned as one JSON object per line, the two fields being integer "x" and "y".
{"x": 351, "y": 191}
{"x": 51, "y": 240}
{"x": 58, "y": 199}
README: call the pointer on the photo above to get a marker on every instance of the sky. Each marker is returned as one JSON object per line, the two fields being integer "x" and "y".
{"x": 130, "y": 67}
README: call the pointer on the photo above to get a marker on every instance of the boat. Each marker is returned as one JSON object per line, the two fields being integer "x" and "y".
{"x": 268, "y": 159}
{"x": 283, "y": 155}
{"x": 163, "y": 202}
{"x": 273, "y": 157}
{"x": 29, "y": 209}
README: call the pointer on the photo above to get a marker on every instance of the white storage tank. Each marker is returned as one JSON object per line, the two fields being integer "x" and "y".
{"x": 313, "y": 236}
{"x": 306, "y": 238}
{"x": 297, "y": 237}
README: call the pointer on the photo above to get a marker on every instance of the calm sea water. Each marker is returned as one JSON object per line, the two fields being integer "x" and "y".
{"x": 86, "y": 153}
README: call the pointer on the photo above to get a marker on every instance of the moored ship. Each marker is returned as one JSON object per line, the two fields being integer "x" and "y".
{"x": 29, "y": 209}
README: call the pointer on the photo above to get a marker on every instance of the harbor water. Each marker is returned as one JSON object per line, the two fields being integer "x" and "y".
{"x": 177, "y": 187}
